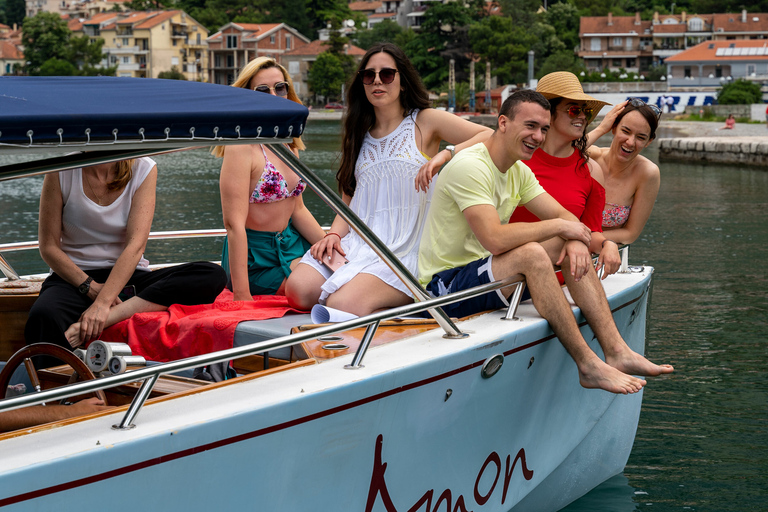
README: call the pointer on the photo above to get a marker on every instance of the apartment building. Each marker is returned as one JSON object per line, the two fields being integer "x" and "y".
{"x": 146, "y": 43}
{"x": 11, "y": 57}
{"x": 715, "y": 63}
{"x": 236, "y": 44}
{"x": 77, "y": 8}
{"x": 613, "y": 42}
{"x": 377, "y": 11}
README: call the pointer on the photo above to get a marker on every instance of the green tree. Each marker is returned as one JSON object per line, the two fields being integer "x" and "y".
{"x": 386, "y": 31}
{"x": 320, "y": 12}
{"x": 48, "y": 41}
{"x": 565, "y": 19}
{"x": 326, "y": 76}
{"x": 443, "y": 36}
{"x": 740, "y": 92}
{"x": 173, "y": 74}
{"x": 44, "y": 36}
{"x": 564, "y": 60}
{"x": 57, "y": 67}
{"x": 15, "y": 11}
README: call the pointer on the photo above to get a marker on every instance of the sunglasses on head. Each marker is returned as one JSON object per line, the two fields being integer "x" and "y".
{"x": 637, "y": 102}
{"x": 386, "y": 75}
{"x": 280, "y": 88}
{"x": 574, "y": 111}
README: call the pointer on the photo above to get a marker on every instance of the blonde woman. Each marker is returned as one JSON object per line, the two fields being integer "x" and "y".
{"x": 268, "y": 226}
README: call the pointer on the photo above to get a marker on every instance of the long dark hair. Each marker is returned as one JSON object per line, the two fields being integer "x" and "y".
{"x": 360, "y": 115}
{"x": 645, "y": 111}
{"x": 581, "y": 143}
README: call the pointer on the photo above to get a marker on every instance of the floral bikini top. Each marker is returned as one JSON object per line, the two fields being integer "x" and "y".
{"x": 615, "y": 215}
{"x": 272, "y": 186}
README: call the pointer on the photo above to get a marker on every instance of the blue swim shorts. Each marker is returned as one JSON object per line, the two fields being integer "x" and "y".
{"x": 461, "y": 278}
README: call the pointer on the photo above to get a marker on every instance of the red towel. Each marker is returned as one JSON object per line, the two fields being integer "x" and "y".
{"x": 185, "y": 331}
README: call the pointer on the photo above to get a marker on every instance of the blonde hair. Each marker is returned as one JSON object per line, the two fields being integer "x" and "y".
{"x": 123, "y": 174}
{"x": 244, "y": 80}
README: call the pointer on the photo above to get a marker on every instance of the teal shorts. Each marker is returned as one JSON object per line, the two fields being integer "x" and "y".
{"x": 270, "y": 255}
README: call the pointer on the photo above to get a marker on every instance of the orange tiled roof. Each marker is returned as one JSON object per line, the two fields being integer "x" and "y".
{"x": 102, "y": 17}
{"x": 157, "y": 19}
{"x": 10, "y": 51}
{"x": 364, "y": 5}
{"x": 708, "y": 51}
{"x": 620, "y": 25}
{"x": 131, "y": 19}
{"x": 317, "y": 47}
{"x": 3, "y": 26}
{"x": 733, "y": 23}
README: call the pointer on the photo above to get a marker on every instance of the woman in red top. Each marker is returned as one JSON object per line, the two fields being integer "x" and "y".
{"x": 563, "y": 168}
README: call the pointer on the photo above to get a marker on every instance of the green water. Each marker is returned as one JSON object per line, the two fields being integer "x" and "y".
{"x": 702, "y": 442}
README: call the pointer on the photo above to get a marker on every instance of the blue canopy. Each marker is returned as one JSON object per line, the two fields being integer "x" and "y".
{"x": 89, "y": 112}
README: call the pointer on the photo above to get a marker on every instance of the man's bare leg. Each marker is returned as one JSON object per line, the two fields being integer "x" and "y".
{"x": 531, "y": 260}
{"x": 117, "y": 314}
{"x": 589, "y": 295}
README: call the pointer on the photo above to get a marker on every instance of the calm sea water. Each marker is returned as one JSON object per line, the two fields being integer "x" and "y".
{"x": 702, "y": 442}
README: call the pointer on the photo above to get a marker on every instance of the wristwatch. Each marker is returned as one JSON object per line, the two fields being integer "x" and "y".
{"x": 86, "y": 286}
{"x": 452, "y": 149}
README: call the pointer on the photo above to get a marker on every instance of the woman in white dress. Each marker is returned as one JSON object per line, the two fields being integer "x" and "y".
{"x": 390, "y": 133}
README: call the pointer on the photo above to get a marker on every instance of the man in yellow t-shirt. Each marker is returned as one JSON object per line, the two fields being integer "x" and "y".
{"x": 468, "y": 241}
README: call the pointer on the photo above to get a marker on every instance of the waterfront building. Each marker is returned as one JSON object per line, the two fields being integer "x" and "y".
{"x": 673, "y": 34}
{"x": 730, "y": 27}
{"x": 614, "y": 42}
{"x": 377, "y": 11}
{"x": 298, "y": 62}
{"x": 77, "y": 8}
{"x": 714, "y": 63}
{"x": 11, "y": 57}
{"x": 146, "y": 43}
{"x": 236, "y": 44}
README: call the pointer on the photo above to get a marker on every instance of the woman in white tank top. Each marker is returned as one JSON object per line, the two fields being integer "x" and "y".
{"x": 94, "y": 226}
{"x": 390, "y": 133}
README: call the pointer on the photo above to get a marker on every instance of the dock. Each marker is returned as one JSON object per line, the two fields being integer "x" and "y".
{"x": 744, "y": 150}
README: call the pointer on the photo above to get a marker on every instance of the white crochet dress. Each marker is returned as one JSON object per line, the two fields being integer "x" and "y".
{"x": 387, "y": 201}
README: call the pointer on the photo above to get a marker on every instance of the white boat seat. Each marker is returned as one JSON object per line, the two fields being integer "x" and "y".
{"x": 254, "y": 331}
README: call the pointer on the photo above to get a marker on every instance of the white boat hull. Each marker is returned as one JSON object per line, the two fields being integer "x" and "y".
{"x": 417, "y": 428}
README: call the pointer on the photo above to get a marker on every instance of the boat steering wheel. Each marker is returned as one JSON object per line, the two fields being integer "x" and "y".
{"x": 24, "y": 356}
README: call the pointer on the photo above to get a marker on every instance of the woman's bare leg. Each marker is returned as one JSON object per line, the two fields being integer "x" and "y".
{"x": 303, "y": 287}
{"x": 366, "y": 293}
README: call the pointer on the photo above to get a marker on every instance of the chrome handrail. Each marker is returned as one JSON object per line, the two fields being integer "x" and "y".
{"x": 369, "y": 237}
{"x": 151, "y": 373}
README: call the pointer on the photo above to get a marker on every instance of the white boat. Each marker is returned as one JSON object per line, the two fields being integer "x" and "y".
{"x": 481, "y": 414}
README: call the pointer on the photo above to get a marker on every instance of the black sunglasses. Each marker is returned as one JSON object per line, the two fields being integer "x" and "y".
{"x": 386, "y": 75}
{"x": 637, "y": 102}
{"x": 280, "y": 88}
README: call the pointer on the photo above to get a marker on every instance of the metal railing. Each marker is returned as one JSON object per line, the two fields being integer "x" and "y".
{"x": 150, "y": 375}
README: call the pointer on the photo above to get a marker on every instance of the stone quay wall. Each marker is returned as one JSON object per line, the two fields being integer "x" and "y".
{"x": 752, "y": 151}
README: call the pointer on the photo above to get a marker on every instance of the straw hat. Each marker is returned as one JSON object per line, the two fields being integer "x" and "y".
{"x": 563, "y": 84}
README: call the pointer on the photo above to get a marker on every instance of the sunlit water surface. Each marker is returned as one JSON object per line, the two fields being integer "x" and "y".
{"x": 702, "y": 442}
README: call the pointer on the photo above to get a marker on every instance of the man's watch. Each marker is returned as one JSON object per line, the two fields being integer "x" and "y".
{"x": 86, "y": 286}
{"x": 452, "y": 149}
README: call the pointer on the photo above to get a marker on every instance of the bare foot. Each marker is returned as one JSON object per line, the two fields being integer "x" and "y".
{"x": 633, "y": 363}
{"x": 598, "y": 375}
{"x": 73, "y": 335}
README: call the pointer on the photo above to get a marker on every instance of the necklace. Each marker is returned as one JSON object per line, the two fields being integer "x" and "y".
{"x": 90, "y": 187}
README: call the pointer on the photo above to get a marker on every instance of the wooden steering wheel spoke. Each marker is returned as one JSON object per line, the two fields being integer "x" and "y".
{"x": 24, "y": 356}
